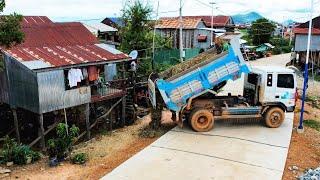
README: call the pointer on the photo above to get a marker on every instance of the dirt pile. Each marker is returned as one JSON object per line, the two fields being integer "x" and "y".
{"x": 190, "y": 64}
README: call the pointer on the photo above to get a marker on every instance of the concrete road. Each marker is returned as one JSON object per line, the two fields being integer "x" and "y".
{"x": 232, "y": 150}
{"x": 245, "y": 150}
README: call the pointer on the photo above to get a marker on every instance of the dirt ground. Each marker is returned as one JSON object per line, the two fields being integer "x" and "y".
{"x": 106, "y": 152}
{"x": 304, "y": 151}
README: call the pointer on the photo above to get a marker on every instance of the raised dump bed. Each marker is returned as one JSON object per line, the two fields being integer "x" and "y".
{"x": 199, "y": 77}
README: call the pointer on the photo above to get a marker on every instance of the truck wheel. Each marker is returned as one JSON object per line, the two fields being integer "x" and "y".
{"x": 201, "y": 120}
{"x": 274, "y": 117}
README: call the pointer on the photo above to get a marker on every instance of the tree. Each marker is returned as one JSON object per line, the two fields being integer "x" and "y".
{"x": 261, "y": 31}
{"x": 136, "y": 20}
{"x": 10, "y": 28}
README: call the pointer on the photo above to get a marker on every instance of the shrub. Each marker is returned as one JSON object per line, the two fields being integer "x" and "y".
{"x": 62, "y": 145}
{"x": 17, "y": 153}
{"x": 79, "y": 158}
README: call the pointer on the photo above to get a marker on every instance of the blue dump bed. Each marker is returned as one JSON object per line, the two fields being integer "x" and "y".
{"x": 176, "y": 91}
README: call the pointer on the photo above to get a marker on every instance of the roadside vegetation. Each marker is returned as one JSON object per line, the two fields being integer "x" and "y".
{"x": 313, "y": 124}
{"x": 19, "y": 154}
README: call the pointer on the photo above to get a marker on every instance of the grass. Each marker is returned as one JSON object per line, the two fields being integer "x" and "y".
{"x": 313, "y": 124}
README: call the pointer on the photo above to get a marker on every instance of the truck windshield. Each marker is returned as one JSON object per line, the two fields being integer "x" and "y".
{"x": 285, "y": 81}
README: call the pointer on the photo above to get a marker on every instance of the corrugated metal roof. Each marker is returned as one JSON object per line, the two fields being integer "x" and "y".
{"x": 174, "y": 23}
{"x": 218, "y": 21}
{"x": 94, "y": 28}
{"x": 314, "y": 31}
{"x": 59, "y": 44}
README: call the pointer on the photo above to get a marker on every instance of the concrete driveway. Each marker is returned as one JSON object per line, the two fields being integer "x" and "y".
{"x": 232, "y": 150}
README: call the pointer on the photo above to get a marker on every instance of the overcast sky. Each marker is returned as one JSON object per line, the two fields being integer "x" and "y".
{"x": 277, "y": 10}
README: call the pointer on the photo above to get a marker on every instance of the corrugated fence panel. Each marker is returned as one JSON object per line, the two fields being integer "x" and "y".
{"x": 53, "y": 94}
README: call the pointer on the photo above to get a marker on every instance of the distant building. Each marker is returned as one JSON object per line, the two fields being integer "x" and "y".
{"x": 106, "y": 34}
{"x": 219, "y": 22}
{"x": 115, "y": 22}
{"x": 301, "y": 39}
{"x": 194, "y": 32}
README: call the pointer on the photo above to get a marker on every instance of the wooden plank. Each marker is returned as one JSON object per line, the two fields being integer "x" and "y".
{"x": 41, "y": 132}
{"x": 87, "y": 113}
{"x": 97, "y": 120}
{"x": 123, "y": 115}
{"x": 16, "y": 124}
{"x": 45, "y": 133}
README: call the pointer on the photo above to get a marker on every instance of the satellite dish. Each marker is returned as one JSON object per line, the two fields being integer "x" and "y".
{"x": 133, "y": 54}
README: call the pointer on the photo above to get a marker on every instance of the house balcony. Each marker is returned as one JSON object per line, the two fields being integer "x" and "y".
{"x": 109, "y": 90}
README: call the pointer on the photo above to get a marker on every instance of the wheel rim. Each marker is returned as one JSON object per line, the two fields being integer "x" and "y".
{"x": 202, "y": 122}
{"x": 275, "y": 118}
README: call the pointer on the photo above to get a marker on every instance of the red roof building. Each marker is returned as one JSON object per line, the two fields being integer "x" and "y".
{"x": 60, "y": 44}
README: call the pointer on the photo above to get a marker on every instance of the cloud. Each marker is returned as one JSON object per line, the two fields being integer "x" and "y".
{"x": 86, "y": 9}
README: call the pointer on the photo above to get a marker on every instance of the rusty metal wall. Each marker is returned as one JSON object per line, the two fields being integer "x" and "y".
{"x": 22, "y": 86}
{"x": 53, "y": 94}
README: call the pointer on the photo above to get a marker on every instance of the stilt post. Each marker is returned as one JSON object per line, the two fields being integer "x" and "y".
{"x": 87, "y": 112}
{"x": 41, "y": 132}
{"x": 16, "y": 124}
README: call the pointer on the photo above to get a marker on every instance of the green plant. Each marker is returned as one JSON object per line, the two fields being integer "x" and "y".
{"x": 62, "y": 145}
{"x": 312, "y": 124}
{"x": 17, "y": 153}
{"x": 79, "y": 158}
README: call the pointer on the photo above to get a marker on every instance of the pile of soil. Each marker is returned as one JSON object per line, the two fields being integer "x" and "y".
{"x": 190, "y": 64}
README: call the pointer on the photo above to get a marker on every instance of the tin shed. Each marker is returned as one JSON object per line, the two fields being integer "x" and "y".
{"x": 35, "y": 74}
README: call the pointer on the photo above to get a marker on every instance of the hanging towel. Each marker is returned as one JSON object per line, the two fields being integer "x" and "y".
{"x": 93, "y": 73}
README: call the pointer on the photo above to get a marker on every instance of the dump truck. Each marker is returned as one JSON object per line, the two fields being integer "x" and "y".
{"x": 192, "y": 93}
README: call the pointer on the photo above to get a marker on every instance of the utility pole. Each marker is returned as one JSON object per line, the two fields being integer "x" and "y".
{"x": 306, "y": 73}
{"x": 212, "y": 3}
{"x": 180, "y": 33}
{"x": 154, "y": 37}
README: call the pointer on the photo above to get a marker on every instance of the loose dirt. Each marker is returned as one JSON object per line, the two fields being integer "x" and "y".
{"x": 106, "y": 152}
{"x": 304, "y": 151}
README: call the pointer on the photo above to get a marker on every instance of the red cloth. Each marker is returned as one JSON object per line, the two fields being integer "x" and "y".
{"x": 93, "y": 73}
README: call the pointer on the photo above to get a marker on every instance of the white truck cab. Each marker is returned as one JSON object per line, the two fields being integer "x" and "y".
{"x": 271, "y": 85}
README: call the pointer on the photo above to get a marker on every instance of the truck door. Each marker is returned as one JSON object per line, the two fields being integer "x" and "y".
{"x": 269, "y": 93}
{"x": 285, "y": 89}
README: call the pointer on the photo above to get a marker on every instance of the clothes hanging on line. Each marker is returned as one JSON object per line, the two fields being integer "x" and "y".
{"x": 110, "y": 72}
{"x": 93, "y": 73}
{"x": 74, "y": 76}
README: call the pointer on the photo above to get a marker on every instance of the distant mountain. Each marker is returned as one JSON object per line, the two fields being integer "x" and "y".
{"x": 246, "y": 18}
{"x": 288, "y": 22}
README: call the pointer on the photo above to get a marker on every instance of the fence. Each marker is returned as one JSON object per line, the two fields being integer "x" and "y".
{"x": 172, "y": 56}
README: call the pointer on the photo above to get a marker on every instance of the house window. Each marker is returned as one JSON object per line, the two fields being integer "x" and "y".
{"x": 202, "y": 38}
{"x": 75, "y": 78}
{"x": 285, "y": 81}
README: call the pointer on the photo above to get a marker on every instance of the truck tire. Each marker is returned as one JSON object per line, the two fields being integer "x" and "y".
{"x": 274, "y": 117}
{"x": 201, "y": 120}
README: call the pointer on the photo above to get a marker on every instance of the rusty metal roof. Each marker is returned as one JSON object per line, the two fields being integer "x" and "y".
{"x": 59, "y": 44}
{"x": 218, "y": 21}
{"x": 174, "y": 23}
{"x": 297, "y": 30}
{"x": 191, "y": 22}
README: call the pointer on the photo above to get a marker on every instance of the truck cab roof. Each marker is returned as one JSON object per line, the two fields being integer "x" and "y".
{"x": 269, "y": 69}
